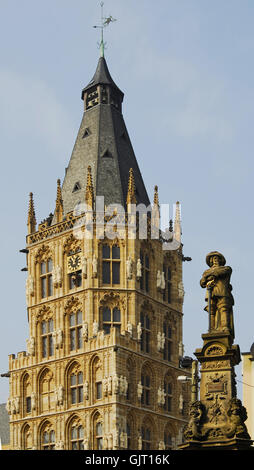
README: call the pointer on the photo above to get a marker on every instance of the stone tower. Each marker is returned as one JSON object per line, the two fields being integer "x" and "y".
{"x": 217, "y": 418}
{"x": 104, "y": 306}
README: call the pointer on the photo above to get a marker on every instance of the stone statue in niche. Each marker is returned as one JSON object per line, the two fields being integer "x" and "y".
{"x": 219, "y": 298}
{"x": 129, "y": 268}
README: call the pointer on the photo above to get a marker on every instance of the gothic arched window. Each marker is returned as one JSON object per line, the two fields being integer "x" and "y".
{"x": 27, "y": 438}
{"x": 48, "y": 439}
{"x": 27, "y": 391}
{"x": 98, "y": 435}
{"x": 47, "y": 391}
{"x": 76, "y": 386}
{"x": 76, "y": 435}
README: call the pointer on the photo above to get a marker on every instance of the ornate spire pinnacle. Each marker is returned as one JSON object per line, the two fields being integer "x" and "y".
{"x": 59, "y": 203}
{"x": 89, "y": 188}
{"x": 131, "y": 196}
{"x": 31, "y": 221}
{"x": 177, "y": 223}
{"x": 104, "y": 22}
{"x": 156, "y": 196}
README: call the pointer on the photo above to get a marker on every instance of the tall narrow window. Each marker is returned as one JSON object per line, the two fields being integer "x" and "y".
{"x": 145, "y": 337}
{"x": 167, "y": 352}
{"x": 167, "y": 290}
{"x": 146, "y": 383}
{"x": 47, "y": 392}
{"x": 77, "y": 438}
{"x": 47, "y": 328}
{"x": 75, "y": 325}
{"x": 146, "y": 438}
{"x": 128, "y": 432}
{"x": 99, "y": 436}
{"x": 111, "y": 318}
{"x": 76, "y": 386}
{"x": 167, "y": 440}
{"x": 168, "y": 396}
{"x": 27, "y": 395}
{"x": 145, "y": 278}
{"x": 46, "y": 278}
{"x": 110, "y": 264}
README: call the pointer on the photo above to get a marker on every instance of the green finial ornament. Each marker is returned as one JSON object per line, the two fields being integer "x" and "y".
{"x": 105, "y": 21}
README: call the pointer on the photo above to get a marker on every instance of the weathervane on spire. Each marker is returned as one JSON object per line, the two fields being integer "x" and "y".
{"x": 105, "y": 21}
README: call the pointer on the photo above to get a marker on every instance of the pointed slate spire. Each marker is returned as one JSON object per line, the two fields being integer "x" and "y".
{"x": 59, "y": 203}
{"x": 31, "y": 220}
{"x": 103, "y": 144}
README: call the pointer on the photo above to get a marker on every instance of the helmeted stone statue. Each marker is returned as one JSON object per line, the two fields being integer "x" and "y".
{"x": 219, "y": 297}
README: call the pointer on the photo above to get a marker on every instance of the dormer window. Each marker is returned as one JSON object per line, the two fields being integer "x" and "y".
{"x": 87, "y": 132}
{"x": 77, "y": 187}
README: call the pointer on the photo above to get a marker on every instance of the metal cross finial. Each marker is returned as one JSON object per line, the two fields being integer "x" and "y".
{"x": 105, "y": 21}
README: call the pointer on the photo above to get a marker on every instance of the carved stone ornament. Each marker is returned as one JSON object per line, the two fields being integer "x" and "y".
{"x": 72, "y": 245}
{"x": 72, "y": 305}
{"x": 59, "y": 395}
{"x": 84, "y": 266}
{"x": 31, "y": 346}
{"x": 161, "y": 397}
{"x": 57, "y": 276}
{"x": 130, "y": 328}
{"x": 139, "y": 331}
{"x": 58, "y": 338}
{"x": 95, "y": 266}
{"x": 139, "y": 269}
{"x": 59, "y": 445}
{"x": 181, "y": 290}
{"x": 29, "y": 287}
{"x": 139, "y": 390}
{"x": 160, "y": 341}
{"x": 85, "y": 331}
{"x": 43, "y": 254}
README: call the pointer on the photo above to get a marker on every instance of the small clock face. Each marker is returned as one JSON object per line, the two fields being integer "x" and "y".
{"x": 74, "y": 263}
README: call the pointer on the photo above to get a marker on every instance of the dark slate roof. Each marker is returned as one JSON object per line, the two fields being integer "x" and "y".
{"x": 4, "y": 425}
{"x": 108, "y": 150}
{"x": 101, "y": 76}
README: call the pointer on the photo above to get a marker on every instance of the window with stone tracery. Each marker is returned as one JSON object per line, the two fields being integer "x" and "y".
{"x": 76, "y": 385}
{"x": 47, "y": 391}
{"x": 99, "y": 436}
{"x": 48, "y": 439}
{"x": 76, "y": 435}
{"x": 27, "y": 438}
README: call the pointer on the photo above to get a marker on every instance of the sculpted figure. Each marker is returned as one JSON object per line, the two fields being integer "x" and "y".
{"x": 237, "y": 416}
{"x": 129, "y": 268}
{"x": 130, "y": 328}
{"x": 220, "y": 300}
{"x": 95, "y": 265}
{"x": 85, "y": 331}
{"x": 192, "y": 431}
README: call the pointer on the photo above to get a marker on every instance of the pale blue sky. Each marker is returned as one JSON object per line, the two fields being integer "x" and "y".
{"x": 186, "y": 68}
